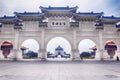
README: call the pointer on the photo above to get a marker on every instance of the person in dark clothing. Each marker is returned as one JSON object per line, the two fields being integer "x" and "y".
{"x": 117, "y": 58}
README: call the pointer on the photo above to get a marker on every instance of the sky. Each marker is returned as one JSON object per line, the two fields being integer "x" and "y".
{"x": 85, "y": 45}
{"x": 109, "y": 7}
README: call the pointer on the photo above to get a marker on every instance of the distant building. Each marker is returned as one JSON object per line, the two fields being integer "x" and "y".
{"x": 59, "y": 52}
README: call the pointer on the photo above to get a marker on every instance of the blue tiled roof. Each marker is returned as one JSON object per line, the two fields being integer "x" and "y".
{"x": 28, "y": 13}
{"x": 46, "y": 9}
{"x": 89, "y": 13}
{"x": 109, "y": 17}
{"x": 58, "y": 8}
{"x": 8, "y": 17}
{"x": 59, "y": 48}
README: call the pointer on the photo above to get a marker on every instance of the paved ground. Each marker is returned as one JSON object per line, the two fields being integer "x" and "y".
{"x": 69, "y": 70}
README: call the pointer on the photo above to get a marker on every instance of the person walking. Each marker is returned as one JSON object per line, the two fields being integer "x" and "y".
{"x": 117, "y": 58}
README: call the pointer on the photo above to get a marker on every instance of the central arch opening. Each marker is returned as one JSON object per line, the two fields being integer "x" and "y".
{"x": 87, "y": 49}
{"x": 58, "y": 48}
{"x": 30, "y": 49}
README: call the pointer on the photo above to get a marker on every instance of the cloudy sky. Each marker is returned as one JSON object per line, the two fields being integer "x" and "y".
{"x": 109, "y": 7}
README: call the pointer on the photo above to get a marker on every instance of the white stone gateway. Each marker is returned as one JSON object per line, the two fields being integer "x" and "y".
{"x": 63, "y": 22}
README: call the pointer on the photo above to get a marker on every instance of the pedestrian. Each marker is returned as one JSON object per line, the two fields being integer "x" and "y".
{"x": 117, "y": 58}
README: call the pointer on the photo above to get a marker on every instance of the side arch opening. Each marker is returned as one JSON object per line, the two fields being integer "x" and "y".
{"x": 87, "y": 49}
{"x": 30, "y": 49}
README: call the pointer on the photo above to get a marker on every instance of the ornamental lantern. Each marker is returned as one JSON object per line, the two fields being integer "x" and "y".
{"x": 111, "y": 47}
{"x": 6, "y": 47}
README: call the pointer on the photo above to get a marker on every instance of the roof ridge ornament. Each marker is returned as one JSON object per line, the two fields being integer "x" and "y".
{"x": 4, "y": 16}
{"x": 112, "y": 15}
{"x": 49, "y": 6}
{"x": 67, "y": 6}
{"x": 92, "y": 12}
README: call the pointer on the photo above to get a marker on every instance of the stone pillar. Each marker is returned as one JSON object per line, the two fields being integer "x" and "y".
{"x": 1, "y": 55}
{"x": 75, "y": 51}
{"x": 15, "y": 54}
{"x": 75, "y": 54}
{"x": 16, "y": 48}
{"x": 43, "y": 50}
{"x": 43, "y": 54}
{"x": 101, "y": 54}
{"x": 101, "y": 49}
{"x": 74, "y": 39}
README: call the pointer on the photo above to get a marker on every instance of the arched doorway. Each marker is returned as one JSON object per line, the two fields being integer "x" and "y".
{"x": 58, "y": 48}
{"x": 111, "y": 48}
{"x": 30, "y": 49}
{"x": 87, "y": 49}
{"x": 6, "y": 48}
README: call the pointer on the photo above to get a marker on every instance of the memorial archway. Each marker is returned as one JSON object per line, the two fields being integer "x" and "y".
{"x": 87, "y": 49}
{"x": 6, "y": 48}
{"x": 111, "y": 48}
{"x": 30, "y": 49}
{"x": 58, "y": 48}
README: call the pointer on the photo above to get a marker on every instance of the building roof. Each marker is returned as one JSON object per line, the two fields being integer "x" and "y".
{"x": 59, "y": 11}
{"x": 27, "y": 13}
{"x": 8, "y": 17}
{"x": 84, "y": 16}
{"x": 89, "y": 14}
{"x": 110, "y": 17}
{"x": 59, "y": 48}
{"x": 29, "y": 16}
{"x": 44, "y": 9}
